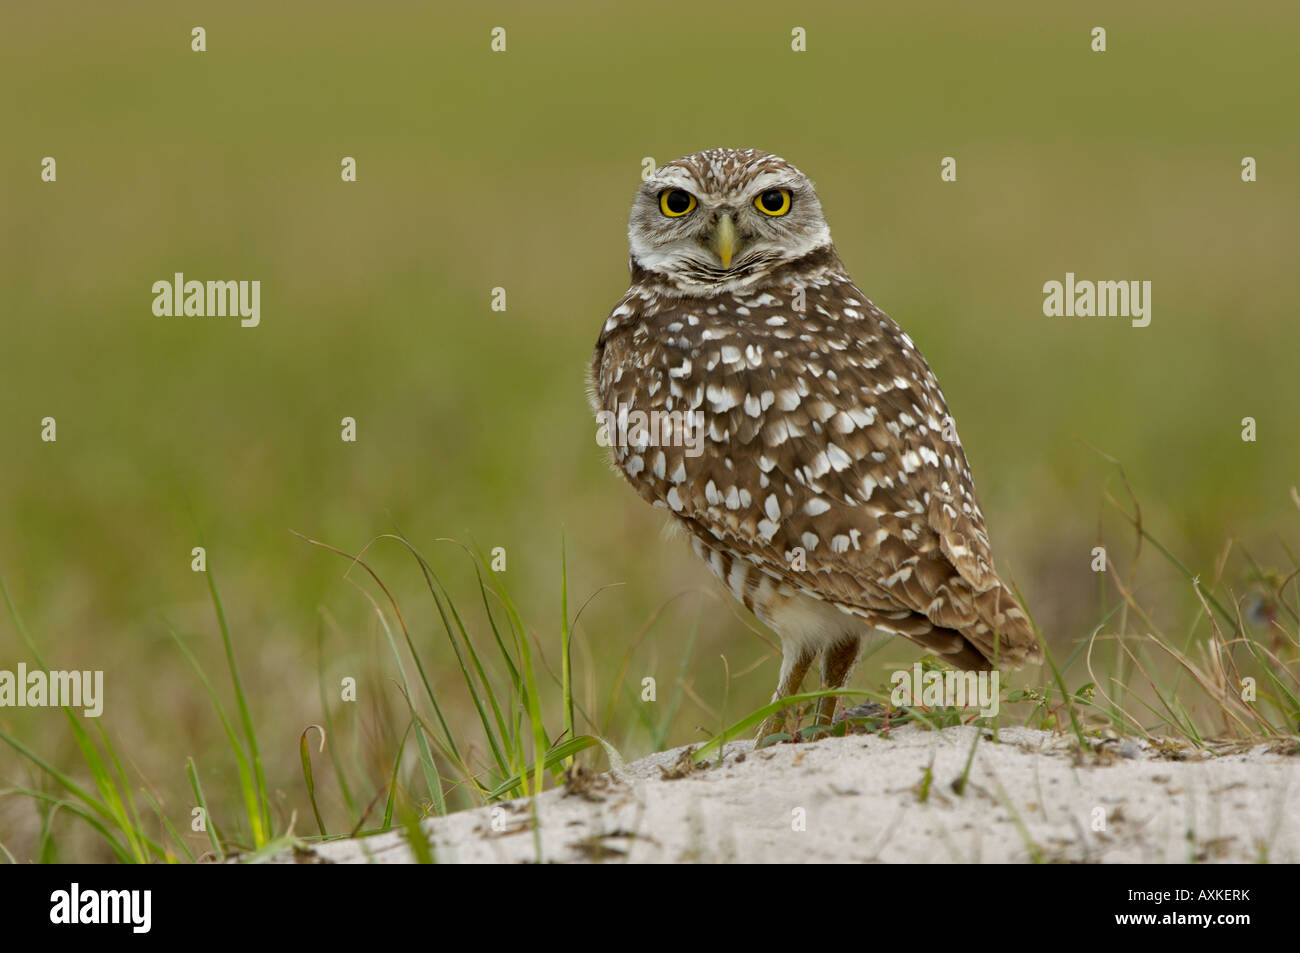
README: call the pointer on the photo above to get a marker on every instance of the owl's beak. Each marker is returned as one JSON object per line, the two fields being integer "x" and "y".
{"x": 725, "y": 241}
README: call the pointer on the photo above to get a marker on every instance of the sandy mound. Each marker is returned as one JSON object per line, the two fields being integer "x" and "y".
{"x": 859, "y": 799}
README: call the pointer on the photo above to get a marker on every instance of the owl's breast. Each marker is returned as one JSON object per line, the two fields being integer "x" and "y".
{"x": 805, "y": 417}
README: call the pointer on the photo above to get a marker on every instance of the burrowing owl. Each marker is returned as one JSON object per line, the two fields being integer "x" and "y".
{"x": 793, "y": 429}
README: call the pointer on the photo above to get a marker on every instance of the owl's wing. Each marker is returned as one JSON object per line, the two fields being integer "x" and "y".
{"x": 827, "y": 459}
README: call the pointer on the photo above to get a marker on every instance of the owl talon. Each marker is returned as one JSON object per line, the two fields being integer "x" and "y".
{"x": 861, "y": 712}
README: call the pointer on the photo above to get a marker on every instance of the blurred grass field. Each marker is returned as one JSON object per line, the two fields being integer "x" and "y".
{"x": 479, "y": 170}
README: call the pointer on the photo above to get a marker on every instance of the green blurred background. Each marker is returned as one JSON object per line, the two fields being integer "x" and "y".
{"x": 517, "y": 169}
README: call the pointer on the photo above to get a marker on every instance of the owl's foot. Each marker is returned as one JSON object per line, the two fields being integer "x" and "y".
{"x": 869, "y": 717}
{"x": 865, "y": 710}
{"x": 794, "y": 665}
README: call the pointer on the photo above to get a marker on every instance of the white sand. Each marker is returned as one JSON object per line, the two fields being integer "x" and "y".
{"x": 1032, "y": 792}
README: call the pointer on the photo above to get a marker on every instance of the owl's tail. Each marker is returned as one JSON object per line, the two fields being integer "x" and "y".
{"x": 1001, "y": 635}
{"x": 985, "y": 630}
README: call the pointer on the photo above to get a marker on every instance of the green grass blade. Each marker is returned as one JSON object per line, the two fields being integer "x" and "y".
{"x": 555, "y": 757}
{"x": 247, "y": 785}
{"x": 1056, "y": 672}
{"x": 261, "y": 819}
{"x": 416, "y": 838}
{"x": 340, "y": 774}
{"x": 392, "y": 783}
{"x": 659, "y": 733}
{"x": 495, "y": 738}
{"x": 304, "y": 755}
{"x": 531, "y": 698}
{"x": 192, "y": 770}
{"x": 960, "y": 785}
{"x": 448, "y": 741}
{"x": 135, "y": 829}
{"x": 119, "y": 851}
{"x": 431, "y": 778}
{"x": 110, "y": 805}
{"x": 170, "y": 828}
{"x": 566, "y": 647}
{"x": 62, "y": 779}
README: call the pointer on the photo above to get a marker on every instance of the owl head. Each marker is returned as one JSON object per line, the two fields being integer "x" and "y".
{"x": 724, "y": 219}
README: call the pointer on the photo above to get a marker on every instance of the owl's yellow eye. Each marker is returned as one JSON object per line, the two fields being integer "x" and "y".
{"x": 773, "y": 202}
{"x": 676, "y": 202}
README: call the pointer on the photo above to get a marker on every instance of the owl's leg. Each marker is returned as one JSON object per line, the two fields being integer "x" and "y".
{"x": 837, "y": 665}
{"x": 794, "y": 666}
